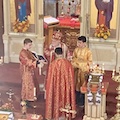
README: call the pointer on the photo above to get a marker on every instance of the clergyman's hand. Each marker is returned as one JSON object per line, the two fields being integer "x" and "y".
{"x": 102, "y": 12}
{"x": 43, "y": 61}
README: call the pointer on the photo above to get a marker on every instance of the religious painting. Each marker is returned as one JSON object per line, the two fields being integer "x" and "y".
{"x": 103, "y": 18}
{"x": 67, "y": 7}
{"x": 22, "y": 15}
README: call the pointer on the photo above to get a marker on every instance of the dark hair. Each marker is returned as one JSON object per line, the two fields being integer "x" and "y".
{"x": 82, "y": 38}
{"x": 27, "y": 40}
{"x": 58, "y": 50}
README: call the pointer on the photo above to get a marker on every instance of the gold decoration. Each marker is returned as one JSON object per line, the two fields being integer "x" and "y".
{"x": 96, "y": 69}
{"x": 7, "y": 107}
{"x": 4, "y": 117}
{"x": 71, "y": 39}
{"x": 102, "y": 31}
{"x": 68, "y": 111}
{"x": 21, "y": 26}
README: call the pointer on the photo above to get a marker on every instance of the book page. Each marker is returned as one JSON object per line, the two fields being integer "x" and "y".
{"x": 50, "y": 20}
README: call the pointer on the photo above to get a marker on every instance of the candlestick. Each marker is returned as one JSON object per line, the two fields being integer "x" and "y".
{"x": 62, "y": 8}
{"x": 34, "y": 92}
{"x": 1, "y": 59}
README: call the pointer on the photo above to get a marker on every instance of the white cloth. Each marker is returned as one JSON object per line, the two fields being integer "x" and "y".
{"x": 98, "y": 98}
{"x": 90, "y": 98}
{"x": 40, "y": 66}
{"x": 106, "y": 1}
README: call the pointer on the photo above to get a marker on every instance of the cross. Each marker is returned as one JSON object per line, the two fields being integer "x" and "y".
{"x": 68, "y": 111}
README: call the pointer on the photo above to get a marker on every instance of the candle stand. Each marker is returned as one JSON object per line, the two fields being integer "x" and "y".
{"x": 116, "y": 78}
{"x": 10, "y": 94}
{"x": 34, "y": 115}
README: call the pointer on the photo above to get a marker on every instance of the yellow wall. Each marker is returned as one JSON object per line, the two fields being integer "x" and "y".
{"x": 12, "y": 12}
{"x": 94, "y": 15}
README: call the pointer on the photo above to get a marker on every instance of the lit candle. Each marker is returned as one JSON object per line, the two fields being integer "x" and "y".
{"x": 34, "y": 92}
{"x": 91, "y": 68}
{"x": 103, "y": 68}
{"x": 2, "y": 59}
{"x": 113, "y": 73}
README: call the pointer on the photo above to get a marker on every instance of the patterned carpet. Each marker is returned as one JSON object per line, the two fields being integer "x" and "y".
{"x": 10, "y": 78}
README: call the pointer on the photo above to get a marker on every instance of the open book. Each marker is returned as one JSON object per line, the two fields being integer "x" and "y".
{"x": 49, "y": 20}
{"x": 39, "y": 57}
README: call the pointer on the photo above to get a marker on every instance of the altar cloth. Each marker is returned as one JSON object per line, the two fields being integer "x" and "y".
{"x": 5, "y": 115}
{"x": 68, "y": 22}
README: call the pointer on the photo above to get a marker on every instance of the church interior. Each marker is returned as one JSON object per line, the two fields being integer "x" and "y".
{"x": 72, "y": 18}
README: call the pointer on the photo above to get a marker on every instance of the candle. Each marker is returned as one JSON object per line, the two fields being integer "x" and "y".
{"x": 34, "y": 92}
{"x": 2, "y": 60}
{"x": 113, "y": 73}
{"x": 103, "y": 68}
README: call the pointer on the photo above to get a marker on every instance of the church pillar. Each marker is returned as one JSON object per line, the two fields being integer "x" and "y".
{"x": 118, "y": 57}
{"x": 6, "y": 30}
{"x": 39, "y": 27}
{"x": 84, "y": 17}
{"x": 118, "y": 44}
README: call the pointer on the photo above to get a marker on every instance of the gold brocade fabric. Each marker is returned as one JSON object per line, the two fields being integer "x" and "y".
{"x": 50, "y": 53}
{"x": 60, "y": 88}
{"x": 27, "y": 66}
{"x": 82, "y": 58}
{"x": 4, "y": 117}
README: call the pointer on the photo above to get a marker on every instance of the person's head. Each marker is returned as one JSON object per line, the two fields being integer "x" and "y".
{"x": 81, "y": 42}
{"x": 57, "y": 35}
{"x": 56, "y": 38}
{"x": 58, "y": 51}
{"x": 27, "y": 43}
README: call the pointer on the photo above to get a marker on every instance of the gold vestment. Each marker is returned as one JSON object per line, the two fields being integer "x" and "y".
{"x": 82, "y": 58}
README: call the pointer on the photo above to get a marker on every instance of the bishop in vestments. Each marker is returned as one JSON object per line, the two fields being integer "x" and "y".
{"x": 60, "y": 87}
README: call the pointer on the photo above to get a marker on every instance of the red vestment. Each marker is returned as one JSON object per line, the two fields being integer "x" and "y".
{"x": 50, "y": 52}
{"x": 27, "y": 68}
{"x": 60, "y": 88}
{"x": 101, "y": 18}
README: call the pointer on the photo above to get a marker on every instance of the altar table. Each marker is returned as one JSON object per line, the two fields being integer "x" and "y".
{"x": 95, "y": 112}
{"x": 70, "y": 29}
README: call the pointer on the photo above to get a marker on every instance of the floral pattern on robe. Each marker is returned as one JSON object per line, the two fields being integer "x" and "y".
{"x": 60, "y": 88}
{"x": 27, "y": 65}
{"x": 82, "y": 58}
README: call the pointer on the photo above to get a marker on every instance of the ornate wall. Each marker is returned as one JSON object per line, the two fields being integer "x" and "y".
{"x": 104, "y": 51}
{"x": 13, "y": 42}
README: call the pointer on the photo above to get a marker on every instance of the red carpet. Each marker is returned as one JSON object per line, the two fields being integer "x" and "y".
{"x": 10, "y": 78}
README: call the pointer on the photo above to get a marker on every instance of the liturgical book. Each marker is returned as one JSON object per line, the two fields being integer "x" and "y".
{"x": 49, "y": 20}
